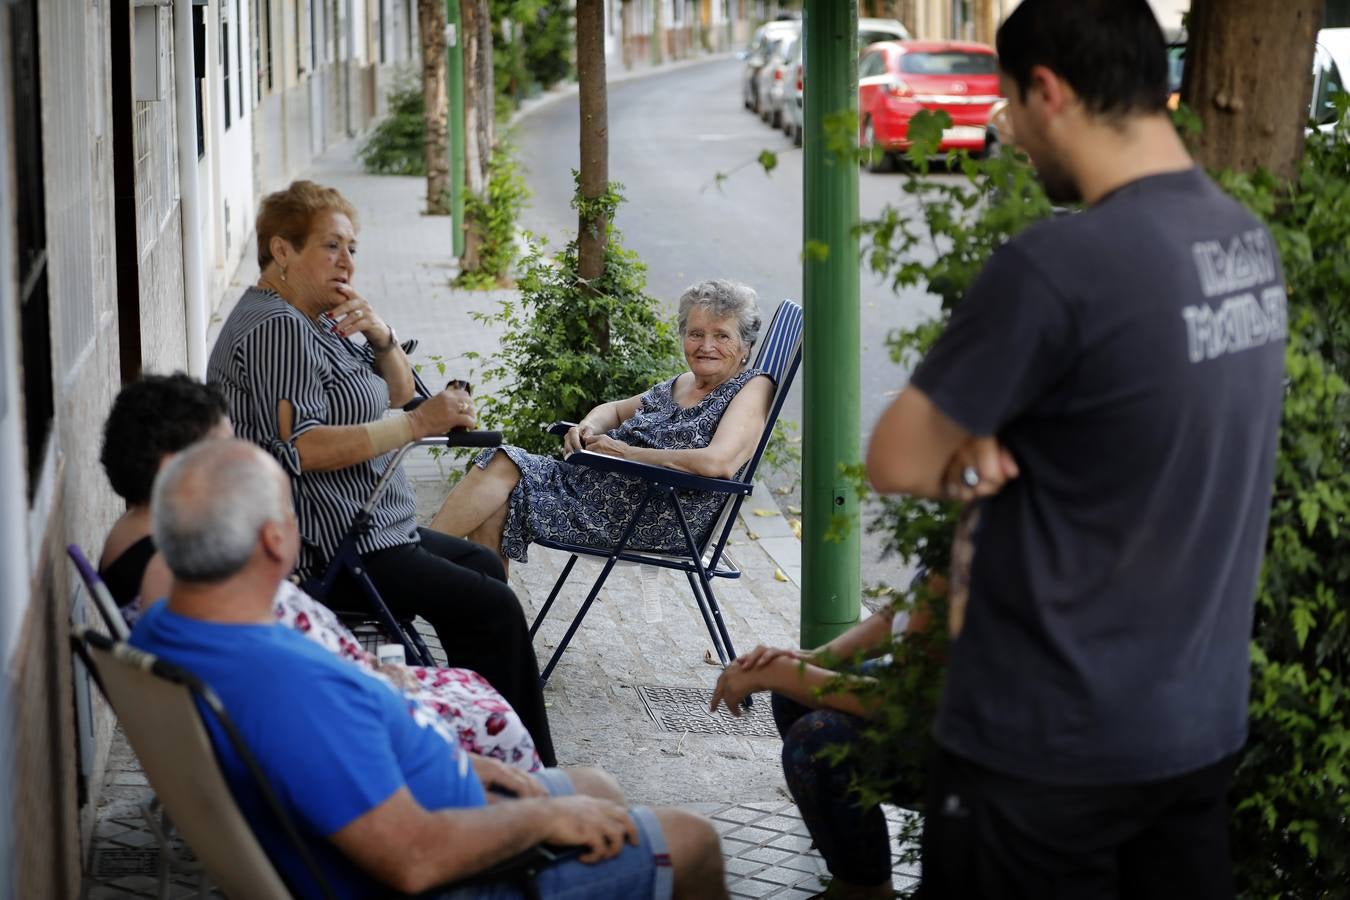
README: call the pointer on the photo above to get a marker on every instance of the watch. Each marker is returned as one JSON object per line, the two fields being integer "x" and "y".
{"x": 393, "y": 342}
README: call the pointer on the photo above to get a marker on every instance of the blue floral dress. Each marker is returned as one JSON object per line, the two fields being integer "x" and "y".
{"x": 559, "y": 501}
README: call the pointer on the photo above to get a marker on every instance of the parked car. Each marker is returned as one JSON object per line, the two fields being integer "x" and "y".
{"x": 792, "y": 93}
{"x": 757, "y": 54}
{"x": 896, "y": 79}
{"x": 772, "y": 76}
{"x": 1331, "y": 63}
{"x": 870, "y": 31}
{"x": 873, "y": 31}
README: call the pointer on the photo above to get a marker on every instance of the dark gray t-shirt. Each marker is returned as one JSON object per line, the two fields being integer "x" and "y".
{"x": 1131, "y": 357}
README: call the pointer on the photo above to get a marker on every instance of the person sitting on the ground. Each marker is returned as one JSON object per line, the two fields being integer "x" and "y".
{"x": 301, "y": 389}
{"x": 706, "y": 421}
{"x": 355, "y": 764}
{"x": 822, "y": 699}
{"x": 160, "y": 415}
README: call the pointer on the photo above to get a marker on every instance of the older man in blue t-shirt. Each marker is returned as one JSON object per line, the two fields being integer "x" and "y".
{"x": 1109, "y": 393}
{"x": 382, "y": 796}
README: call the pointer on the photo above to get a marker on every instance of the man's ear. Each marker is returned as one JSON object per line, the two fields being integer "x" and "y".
{"x": 275, "y": 541}
{"x": 1048, "y": 94}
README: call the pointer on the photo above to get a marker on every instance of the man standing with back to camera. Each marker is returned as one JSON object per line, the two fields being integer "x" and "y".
{"x": 1109, "y": 392}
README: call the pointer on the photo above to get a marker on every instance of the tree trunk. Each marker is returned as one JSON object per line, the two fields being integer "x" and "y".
{"x": 476, "y": 25}
{"x": 591, "y": 229}
{"x": 436, "y": 105}
{"x": 1248, "y": 118}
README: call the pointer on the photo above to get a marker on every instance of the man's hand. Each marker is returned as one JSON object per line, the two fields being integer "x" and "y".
{"x": 734, "y": 685}
{"x": 762, "y": 656}
{"x": 498, "y": 778}
{"x": 601, "y": 826}
{"x": 603, "y": 443}
{"x": 441, "y": 413}
{"x": 983, "y": 461}
{"x": 577, "y": 437}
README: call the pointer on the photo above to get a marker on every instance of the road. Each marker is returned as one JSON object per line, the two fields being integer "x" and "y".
{"x": 670, "y": 134}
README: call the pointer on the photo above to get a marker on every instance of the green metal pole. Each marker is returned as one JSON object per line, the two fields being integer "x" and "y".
{"x": 454, "y": 80}
{"x": 831, "y": 590}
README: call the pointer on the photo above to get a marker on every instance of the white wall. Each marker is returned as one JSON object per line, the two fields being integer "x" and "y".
{"x": 1169, "y": 12}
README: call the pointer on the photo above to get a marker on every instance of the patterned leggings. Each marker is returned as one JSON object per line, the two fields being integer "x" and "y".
{"x": 854, "y": 842}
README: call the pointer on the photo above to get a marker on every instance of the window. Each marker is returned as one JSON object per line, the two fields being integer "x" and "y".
{"x": 240, "y": 80}
{"x": 262, "y": 48}
{"x": 199, "y": 73}
{"x": 225, "y": 61}
{"x": 34, "y": 308}
{"x": 872, "y": 64}
{"x": 951, "y": 63}
{"x": 1329, "y": 86}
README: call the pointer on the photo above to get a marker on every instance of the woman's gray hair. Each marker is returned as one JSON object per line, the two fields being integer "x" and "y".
{"x": 722, "y": 298}
{"x": 210, "y": 503}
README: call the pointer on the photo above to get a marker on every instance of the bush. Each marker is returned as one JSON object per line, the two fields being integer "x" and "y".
{"x": 1291, "y": 825}
{"x": 398, "y": 145}
{"x": 493, "y": 219}
{"x": 550, "y": 363}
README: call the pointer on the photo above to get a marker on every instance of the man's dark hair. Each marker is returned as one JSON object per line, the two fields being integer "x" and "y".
{"x": 1111, "y": 52}
{"x": 156, "y": 415}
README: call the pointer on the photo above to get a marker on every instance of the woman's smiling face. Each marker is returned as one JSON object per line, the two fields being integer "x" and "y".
{"x": 712, "y": 347}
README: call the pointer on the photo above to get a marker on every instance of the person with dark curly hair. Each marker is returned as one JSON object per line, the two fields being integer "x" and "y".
{"x": 151, "y": 420}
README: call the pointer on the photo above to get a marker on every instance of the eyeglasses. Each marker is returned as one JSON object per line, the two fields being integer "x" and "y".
{"x": 721, "y": 338}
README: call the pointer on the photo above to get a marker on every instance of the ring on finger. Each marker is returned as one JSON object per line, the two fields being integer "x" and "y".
{"x": 970, "y": 476}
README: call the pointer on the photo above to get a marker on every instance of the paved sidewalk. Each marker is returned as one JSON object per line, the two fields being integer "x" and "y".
{"x": 630, "y": 695}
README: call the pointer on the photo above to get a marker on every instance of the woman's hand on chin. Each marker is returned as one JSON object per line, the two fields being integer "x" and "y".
{"x": 603, "y": 443}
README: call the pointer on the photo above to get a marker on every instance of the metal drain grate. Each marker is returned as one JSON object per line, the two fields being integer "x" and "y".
{"x": 682, "y": 709}
{"x": 115, "y": 863}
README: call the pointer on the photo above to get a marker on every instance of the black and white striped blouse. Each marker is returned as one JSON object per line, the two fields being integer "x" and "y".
{"x": 269, "y": 351}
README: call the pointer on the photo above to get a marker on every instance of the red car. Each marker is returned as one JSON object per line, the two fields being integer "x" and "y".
{"x": 896, "y": 79}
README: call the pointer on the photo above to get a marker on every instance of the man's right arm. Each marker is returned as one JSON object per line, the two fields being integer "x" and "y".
{"x": 413, "y": 849}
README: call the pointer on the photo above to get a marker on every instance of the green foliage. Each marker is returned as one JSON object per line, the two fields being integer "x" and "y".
{"x": 398, "y": 145}
{"x": 531, "y": 49}
{"x": 494, "y": 219}
{"x": 549, "y": 361}
{"x": 1291, "y": 829}
{"x": 783, "y": 453}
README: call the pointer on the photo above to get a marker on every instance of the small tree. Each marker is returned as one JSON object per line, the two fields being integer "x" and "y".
{"x": 436, "y": 105}
{"x": 1249, "y": 120}
{"x": 592, "y": 214}
{"x": 479, "y": 121}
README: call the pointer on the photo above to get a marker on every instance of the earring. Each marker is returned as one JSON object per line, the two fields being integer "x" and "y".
{"x": 283, "y": 273}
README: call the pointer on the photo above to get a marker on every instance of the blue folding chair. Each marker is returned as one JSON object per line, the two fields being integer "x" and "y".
{"x": 780, "y": 353}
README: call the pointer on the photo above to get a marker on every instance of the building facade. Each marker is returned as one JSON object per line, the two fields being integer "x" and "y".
{"x": 140, "y": 138}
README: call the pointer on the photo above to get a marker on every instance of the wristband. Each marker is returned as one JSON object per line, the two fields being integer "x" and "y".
{"x": 389, "y": 433}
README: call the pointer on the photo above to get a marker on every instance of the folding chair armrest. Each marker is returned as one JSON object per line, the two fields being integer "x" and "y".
{"x": 659, "y": 474}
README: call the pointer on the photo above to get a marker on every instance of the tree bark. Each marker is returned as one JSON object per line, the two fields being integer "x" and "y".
{"x": 591, "y": 229}
{"x": 479, "y": 138}
{"x": 436, "y": 105}
{"x": 1250, "y": 119}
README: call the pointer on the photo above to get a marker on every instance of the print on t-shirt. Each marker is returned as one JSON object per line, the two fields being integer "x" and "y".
{"x": 1241, "y": 321}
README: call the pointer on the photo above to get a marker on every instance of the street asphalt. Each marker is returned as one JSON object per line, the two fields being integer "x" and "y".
{"x": 670, "y": 135}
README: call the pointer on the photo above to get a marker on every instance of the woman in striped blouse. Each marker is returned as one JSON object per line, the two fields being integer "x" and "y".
{"x": 303, "y": 391}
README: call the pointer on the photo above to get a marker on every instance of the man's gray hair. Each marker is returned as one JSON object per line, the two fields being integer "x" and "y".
{"x": 210, "y": 503}
{"x": 722, "y": 298}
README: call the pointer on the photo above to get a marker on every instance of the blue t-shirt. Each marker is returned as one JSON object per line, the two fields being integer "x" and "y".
{"x": 333, "y": 741}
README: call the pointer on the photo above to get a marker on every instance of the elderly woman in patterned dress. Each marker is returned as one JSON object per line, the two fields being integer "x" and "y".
{"x": 706, "y": 421}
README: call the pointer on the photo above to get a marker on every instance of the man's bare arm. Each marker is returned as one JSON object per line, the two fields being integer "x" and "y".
{"x": 911, "y": 447}
{"x": 413, "y": 849}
